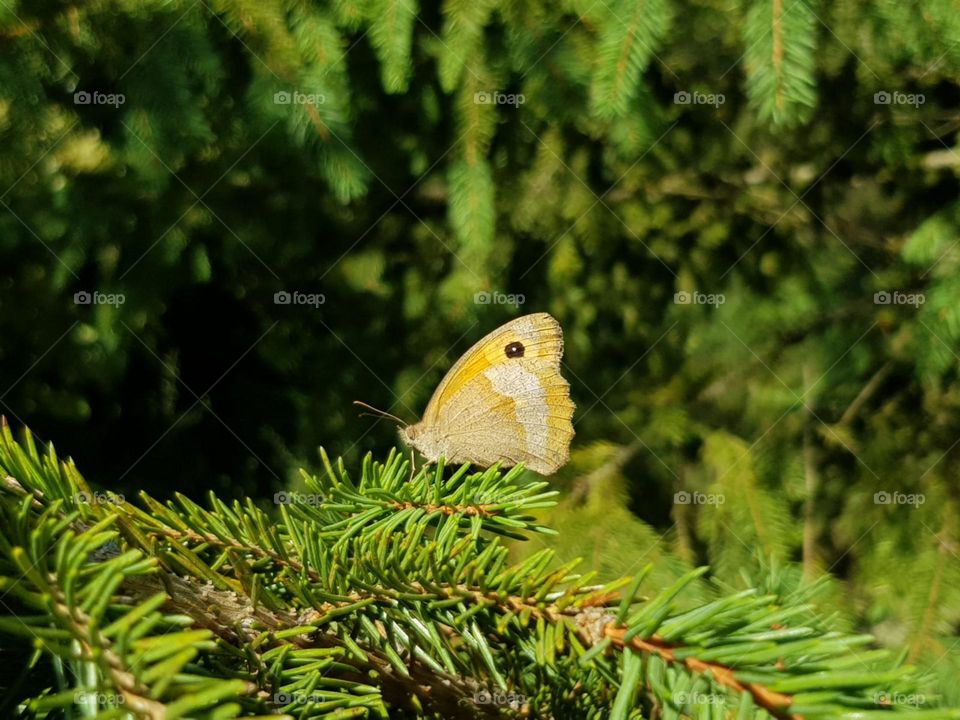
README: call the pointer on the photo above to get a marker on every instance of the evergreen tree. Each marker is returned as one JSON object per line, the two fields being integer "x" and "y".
{"x": 612, "y": 162}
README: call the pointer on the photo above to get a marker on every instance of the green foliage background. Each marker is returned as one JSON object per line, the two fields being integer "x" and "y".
{"x": 406, "y": 188}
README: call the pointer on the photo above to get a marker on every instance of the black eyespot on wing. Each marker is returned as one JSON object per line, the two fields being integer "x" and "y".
{"x": 514, "y": 350}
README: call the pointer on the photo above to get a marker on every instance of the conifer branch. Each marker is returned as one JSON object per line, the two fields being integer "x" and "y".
{"x": 390, "y": 592}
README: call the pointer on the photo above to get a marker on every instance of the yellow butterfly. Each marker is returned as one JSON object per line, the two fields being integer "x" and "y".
{"x": 503, "y": 402}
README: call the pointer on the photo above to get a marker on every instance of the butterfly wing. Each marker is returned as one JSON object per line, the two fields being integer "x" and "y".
{"x": 505, "y": 400}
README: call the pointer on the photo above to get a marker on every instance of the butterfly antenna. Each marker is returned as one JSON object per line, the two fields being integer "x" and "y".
{"x": 377, "y": 412}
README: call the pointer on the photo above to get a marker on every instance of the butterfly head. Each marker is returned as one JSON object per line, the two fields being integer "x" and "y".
{"x": 422, "y": 438}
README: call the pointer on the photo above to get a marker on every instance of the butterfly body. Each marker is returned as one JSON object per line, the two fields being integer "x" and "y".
{"x": 503, "y": 402}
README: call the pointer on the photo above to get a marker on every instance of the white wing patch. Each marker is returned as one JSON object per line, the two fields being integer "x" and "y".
{"x": 514, "y": 381}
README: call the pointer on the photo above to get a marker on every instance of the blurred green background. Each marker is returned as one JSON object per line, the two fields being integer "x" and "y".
{"x": 744, "y": 214}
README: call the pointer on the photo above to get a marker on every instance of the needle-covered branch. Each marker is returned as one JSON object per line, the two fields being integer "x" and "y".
{"x": 380, "y": 594}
